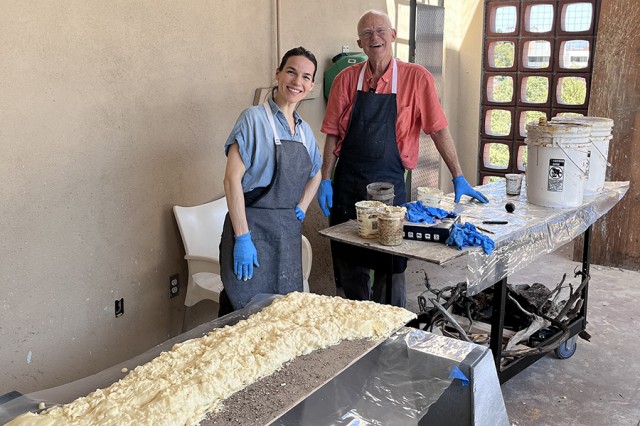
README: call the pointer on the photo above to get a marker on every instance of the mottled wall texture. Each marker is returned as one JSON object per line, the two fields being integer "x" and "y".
{"x": 113, "y": 112}
{"x": 615, "y": 93}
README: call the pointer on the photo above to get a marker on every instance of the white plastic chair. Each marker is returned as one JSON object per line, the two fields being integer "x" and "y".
{"x": 307, "y": 260}
{"x": 201, "y": 228}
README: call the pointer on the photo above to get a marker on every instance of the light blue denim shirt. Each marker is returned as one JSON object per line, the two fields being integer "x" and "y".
{"x": 254, "y": 137}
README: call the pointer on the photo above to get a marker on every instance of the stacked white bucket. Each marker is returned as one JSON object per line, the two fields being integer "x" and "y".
{"x": 566, "y": 157}
{"x": 601, "y": 129}
{"x": 557, "y": 163}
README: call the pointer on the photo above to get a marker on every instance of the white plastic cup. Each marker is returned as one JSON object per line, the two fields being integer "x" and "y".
{"x": 513, "y": 183}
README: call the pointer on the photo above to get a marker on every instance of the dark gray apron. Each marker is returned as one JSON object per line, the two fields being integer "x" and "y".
{"x": 369, "y": 154}
{"x": 275, "y": 229}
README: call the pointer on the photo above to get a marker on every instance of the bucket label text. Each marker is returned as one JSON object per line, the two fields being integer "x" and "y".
{"x": 556, "y": 175}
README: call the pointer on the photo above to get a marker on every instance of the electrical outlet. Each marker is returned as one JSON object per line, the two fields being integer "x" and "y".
{"x": 174, "y": 285}
{"x": 119, "y": 305}
{"x": 345, "y": 48}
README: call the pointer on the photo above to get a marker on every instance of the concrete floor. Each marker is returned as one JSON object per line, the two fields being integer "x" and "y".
{"x": 600, "y": 383}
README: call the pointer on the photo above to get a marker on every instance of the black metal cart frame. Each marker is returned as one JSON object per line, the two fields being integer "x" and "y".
{"x": 578, "y": 325}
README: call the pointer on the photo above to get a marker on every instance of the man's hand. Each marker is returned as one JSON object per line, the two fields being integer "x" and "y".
{"x": 245, "y": 257}
{"x": 461, "y": 187}
{"x": 325, "y": 196}
{"x": 299, "y": 213}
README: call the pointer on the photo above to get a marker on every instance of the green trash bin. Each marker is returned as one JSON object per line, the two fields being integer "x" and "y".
{"x": 340, "y": 62}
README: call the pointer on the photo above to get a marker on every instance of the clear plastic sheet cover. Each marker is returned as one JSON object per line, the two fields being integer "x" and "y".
{"x": 69, "y": 392}
{"x": 400, "y": 378}
{"x": 531, "y": 231}
{"x": 396, "y": 383}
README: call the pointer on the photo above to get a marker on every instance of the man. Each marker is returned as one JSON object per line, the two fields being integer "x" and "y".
{"x": 374, "y": 115}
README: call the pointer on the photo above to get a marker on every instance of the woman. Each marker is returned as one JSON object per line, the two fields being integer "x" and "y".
{"x": 271, "y": 177}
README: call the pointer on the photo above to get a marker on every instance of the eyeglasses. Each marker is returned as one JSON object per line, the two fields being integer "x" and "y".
{"x": 365, "y": 35}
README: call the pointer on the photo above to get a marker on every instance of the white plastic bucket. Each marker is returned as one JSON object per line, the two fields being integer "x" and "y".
{"x": 601, "y": 128}
{"x": 557, "y": 163}
{"x": 597, "y": 165}
{"x": 367, "y": 216}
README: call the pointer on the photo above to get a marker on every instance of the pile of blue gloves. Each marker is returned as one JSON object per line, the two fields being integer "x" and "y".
{"x": 467, "y": 235}
{"x": 419, "y": 213}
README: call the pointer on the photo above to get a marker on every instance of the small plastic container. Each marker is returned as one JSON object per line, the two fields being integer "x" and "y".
{"x": 381, "y": 191}
{"x": 390, "y": 225}
{"x": 367, "y": 216}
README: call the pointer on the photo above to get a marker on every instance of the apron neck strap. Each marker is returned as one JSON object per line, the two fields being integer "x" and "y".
{"x": 272, "y": 123}
{"x": 394, "y": 76}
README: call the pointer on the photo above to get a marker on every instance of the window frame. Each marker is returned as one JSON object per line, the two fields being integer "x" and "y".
{"x": 519, "y": 73}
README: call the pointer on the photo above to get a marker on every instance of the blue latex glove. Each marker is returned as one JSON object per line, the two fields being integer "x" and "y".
{"x": 325, "y": 196}
{"x": 468, "y": 236}
{"x": 245, "y": 257}
{"x": 418, "y": 212}
{"x": 461, "y": 187}
{"x": 299, "y": 214}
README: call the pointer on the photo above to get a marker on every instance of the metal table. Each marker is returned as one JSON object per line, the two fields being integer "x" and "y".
{"x": 531, "y": 232}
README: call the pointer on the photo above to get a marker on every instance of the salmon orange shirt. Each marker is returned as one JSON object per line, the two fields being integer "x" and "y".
{"x": 418, "y": 106}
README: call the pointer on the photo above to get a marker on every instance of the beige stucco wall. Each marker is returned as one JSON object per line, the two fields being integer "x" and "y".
{"x": 110, "y": 114}
{"x": 463, "y": 30}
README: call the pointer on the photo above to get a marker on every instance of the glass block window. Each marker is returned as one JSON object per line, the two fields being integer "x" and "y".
{"x": 497, "y": 122}
{"x": 504, "y": 20}
{"x": 574, "y": 54}
{"x": 538, "y": 18}
{"x": 496, "y": 155}
{"x": 537, "y": 63}
{"x": 571, "y": 90}
{"x": 499, "y": 88}
{"x": 501, "y": 54}
{"x": 536, "y": 54}
{"x": 576, "y": 16}
{"x": 534, "y": 89}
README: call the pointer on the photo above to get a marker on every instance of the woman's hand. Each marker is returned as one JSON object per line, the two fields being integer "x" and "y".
{"x": 245, "y": 256}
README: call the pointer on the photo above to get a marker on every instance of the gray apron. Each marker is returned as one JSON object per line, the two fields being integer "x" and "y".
{"x": 369, "y": 154}
{"x": 275, "y": 229}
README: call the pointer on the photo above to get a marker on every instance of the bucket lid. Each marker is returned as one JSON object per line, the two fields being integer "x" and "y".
{"x": 556, "y": 133}
{"x": 596, "y": 122}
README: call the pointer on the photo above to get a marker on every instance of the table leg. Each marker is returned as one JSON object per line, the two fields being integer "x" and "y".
{"x": 497, "y": 320}
{"x": 586, "y": 263}
{"x": 389, "y": 278}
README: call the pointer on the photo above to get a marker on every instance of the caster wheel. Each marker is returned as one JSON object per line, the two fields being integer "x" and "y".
{"x": 567, "y": 348}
